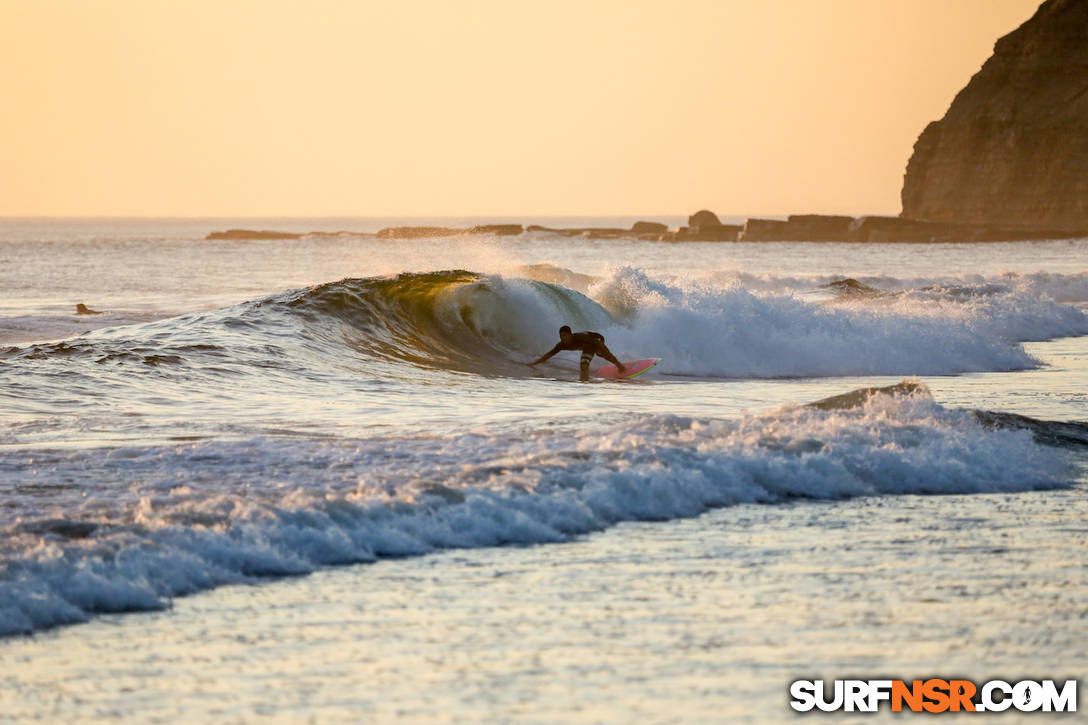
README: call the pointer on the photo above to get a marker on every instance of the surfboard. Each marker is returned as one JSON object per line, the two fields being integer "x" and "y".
{"x": 631, "y": 369}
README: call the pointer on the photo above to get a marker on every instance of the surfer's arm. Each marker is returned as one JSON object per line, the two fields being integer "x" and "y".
{"x": 604, "y": 352}
{"x": 544, "y": 357}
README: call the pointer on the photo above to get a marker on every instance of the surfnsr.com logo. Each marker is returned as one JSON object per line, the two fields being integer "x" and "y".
{"x": 934, "y": 695}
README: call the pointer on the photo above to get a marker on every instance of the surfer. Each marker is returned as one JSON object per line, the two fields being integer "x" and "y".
{"x": 590, "y": 343}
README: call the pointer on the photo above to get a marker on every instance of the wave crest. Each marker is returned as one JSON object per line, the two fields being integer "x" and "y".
{"x": 356, "y": 500}
{"x": 456, "y": 319}
{"x": 464, "y": 321}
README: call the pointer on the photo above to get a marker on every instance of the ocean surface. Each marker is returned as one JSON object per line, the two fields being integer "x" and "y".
{"x": 313, "y": 480}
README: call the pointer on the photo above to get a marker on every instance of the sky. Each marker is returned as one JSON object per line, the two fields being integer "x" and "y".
{"x": 462, "y": 107}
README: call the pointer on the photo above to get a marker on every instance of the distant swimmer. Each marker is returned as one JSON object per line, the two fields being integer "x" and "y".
{"x": 590, "y": 343}
{"x": 82, "y": 309}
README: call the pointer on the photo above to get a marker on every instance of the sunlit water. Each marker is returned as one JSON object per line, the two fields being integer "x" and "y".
{"x": 474, "y": 533}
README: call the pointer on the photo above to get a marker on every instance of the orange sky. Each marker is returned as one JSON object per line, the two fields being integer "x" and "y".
{"x": 505, "y": 107}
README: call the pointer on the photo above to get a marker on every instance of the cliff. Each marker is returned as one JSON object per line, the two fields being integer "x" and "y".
{"x": 1013, "y": 147}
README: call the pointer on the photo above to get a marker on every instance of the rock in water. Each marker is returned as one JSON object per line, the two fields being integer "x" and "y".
{"x": 649, "y": 228}
{"x": 1013, "y": 146}
{"x": 704, "y": 218}
{"x": 250, "y": 234}
{"x": 417, "y": 232}
{"x": 501, "y": 230}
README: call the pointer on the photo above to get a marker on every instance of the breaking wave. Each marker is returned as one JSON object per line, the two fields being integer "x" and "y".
{"x": 488, "y": 324}
{"x": 175, "y": 520}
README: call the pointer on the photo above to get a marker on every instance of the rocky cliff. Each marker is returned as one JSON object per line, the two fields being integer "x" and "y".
{"x": 1013, "y": 147}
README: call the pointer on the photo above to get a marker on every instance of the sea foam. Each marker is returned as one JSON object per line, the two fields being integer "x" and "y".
{"x": 708, "y": 330}
{"x": 469, "y": 322}
{"x": 180, "y": 519}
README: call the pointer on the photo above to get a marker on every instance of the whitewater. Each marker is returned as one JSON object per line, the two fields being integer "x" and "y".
{"x": 339, "y": 436}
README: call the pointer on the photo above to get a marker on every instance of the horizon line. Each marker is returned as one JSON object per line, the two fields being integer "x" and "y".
{"x": 421, "y": 216}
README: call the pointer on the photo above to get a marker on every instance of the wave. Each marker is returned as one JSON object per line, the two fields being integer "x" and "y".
{"x": 489, "y": 323}
{"x": 458, "y": 319}
{"x": 23, "y": 328}
{"x": 705, "y": 330}
{"x": 1059, "y": 287}
{"x": 179, "y": 519}
{"x": 1057, "y": 433}
{"x": 462, "y": 321}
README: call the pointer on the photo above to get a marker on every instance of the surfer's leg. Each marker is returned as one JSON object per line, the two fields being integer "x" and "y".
{"x": 607, "y": 355}
{"x": 586, "y": 357}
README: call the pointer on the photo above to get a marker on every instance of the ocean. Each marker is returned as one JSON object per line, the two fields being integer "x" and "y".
{"x": 312, "y": 480}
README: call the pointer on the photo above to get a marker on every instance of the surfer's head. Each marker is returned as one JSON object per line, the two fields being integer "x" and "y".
{"x": 564, "y": 333}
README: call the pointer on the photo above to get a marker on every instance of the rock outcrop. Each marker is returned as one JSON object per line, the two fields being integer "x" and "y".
{"x": 765, "y": 230}
{"x": 798, "y": 228}
{"x": 1013, "y": 147}
{"x": 649, "y": 228}
{"x": 252, "y": 234}
{"x": 820, "y": 227}
{"x": 705, "y": 226}
{"x": 502, "y": 230}
{"x": 706, "y": 233}
{"x": 823, "y": 228}
{"x": 704, "y": 218}
{"x": 417, "y": 232}
{"x": 900, "y": 229}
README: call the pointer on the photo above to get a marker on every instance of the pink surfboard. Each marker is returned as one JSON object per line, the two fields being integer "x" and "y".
{"x": 631, "y": 369}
